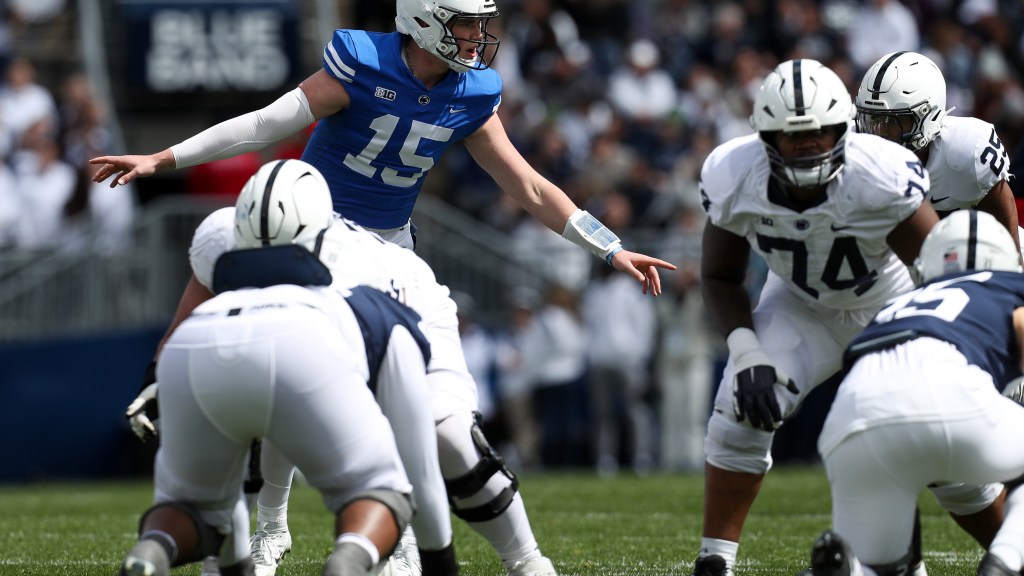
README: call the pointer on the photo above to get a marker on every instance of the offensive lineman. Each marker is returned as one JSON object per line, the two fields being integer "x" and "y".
{"x": 838, "y": 217}
{"x": 282, "y": 357}
{"x": 902, "y": 98}
{"x": 920, "y": 404}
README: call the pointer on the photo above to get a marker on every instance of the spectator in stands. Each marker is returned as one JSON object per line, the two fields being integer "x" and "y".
{"x": 23, "y": 102}
{"x": 621, "y": 329}
{"x": 644, "y": 95}
{"x": 516, "y": 398}
{"x": 880, "y": 27}
{"x": 44, "y": 183}
{"x": 554, "y": 361}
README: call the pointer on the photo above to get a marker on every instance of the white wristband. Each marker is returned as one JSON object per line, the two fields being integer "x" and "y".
{"x": 745, "y": 349}
{"x": 588, "y": 233}
{"x": 246, "y": 133}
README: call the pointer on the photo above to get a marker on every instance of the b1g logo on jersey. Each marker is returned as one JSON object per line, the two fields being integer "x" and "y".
{"x": 385, "y": 94}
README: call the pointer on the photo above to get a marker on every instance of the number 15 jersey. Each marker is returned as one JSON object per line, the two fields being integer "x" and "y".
{"x": 835, "y": 252}
{"x": 375, "y": 153}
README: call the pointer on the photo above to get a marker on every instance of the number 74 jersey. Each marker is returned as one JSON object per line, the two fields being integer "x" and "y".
{"x": 834, "y": 253}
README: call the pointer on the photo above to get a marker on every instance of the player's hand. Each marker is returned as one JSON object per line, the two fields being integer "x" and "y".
{"x": 124, "y": 168}
{"x": 754, "y": 391}
{"x": 642, "y": 267}
{"x": 143, "y": 414}
{"x": 754, "y": 381}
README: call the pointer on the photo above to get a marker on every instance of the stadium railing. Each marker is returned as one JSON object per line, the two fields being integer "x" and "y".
{"x": 54, "y": 293}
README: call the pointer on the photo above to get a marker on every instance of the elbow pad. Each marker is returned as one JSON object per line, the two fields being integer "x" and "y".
{"x": 246, "y": 133}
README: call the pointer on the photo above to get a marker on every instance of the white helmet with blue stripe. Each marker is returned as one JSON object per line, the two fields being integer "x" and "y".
{"x": 967, "y": 240}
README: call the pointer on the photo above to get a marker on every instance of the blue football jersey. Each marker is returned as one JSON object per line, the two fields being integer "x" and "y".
{"x": 971, "y": 310}
{"x": 375, "y": 153}
{"x": 377, "y": 315}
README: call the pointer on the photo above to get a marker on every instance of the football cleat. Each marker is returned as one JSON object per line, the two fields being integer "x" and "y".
{"x": 538, "y": 566}
{"x": 405, "y": 560}
{"x": 146, "y": 558}
{"x": 830, "y": 556}
{"x": 992, "y": 566}
{"x": 268, "y": 546}
{"x": 711, "y": 565}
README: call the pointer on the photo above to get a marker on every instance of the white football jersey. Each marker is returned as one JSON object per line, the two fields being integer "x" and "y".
{"x": 964, "y": 162}
{"x": 834, "y": 253}
{"x": 354, "y": 255}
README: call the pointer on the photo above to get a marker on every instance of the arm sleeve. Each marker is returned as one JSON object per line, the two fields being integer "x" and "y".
{"x": 246, "y": 133}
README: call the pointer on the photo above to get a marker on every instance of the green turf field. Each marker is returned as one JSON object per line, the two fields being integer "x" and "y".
{"x": 586, "y": 525}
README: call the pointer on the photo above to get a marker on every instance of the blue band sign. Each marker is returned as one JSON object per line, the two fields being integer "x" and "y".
{"x": 176, "y": 47}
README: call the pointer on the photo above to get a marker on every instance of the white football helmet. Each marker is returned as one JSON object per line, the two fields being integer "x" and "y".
{"x": 800, "y": 95}
{"x": 907, "y": 86}
{"x": 967, "y": 240}
{"x": 286, "y": 201}
{"x": 428, "y": 23}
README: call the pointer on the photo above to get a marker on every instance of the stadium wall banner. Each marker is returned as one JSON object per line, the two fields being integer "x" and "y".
{"x": 64, "y": 403}
{"x": 193, "y": 46}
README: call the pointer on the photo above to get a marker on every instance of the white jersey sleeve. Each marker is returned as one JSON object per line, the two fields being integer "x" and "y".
{"x": 214, "y": 236}
{"x": 965, "y": 162}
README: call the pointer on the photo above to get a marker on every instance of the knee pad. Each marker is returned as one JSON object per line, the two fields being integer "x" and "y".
{"x": 208, "y": 539}
{"x": 399, "y": 503}
{"x": 488, "y": 488}
{"x": 965, "y": 499}
{"x": 737, "y": 447}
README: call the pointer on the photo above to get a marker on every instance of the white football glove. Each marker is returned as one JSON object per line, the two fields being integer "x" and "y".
{"x": 753, "y": 385}
{"x": 143, "y": 415}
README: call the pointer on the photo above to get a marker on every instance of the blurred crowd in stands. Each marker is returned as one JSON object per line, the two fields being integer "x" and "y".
{"x": 619, "y": 102}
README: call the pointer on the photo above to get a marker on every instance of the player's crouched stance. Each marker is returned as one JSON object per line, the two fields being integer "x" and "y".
{"x": 920, "y": 404}
{"x": 283, "y": 357}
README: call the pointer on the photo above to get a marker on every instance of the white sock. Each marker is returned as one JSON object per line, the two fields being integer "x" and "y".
{"x": 724, "y": 548}
{"x": 363, "y": 542}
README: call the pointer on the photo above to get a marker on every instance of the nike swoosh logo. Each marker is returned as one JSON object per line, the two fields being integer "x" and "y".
{"x": 837, "y": 228}
{"x": 937, "y": 200}
{"x": 456, "y": 110}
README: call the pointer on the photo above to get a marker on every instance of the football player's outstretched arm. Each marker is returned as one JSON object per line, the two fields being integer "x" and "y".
{"x": 1000, "y": 203}
{"x": 496, "y": 154}
{"x": 724, "y": 260}
{"x": 906, "y": 238}
{"x": 316, "y": 97}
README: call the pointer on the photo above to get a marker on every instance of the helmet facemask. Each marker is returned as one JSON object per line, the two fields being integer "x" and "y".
{"x": 906, "y": 127}
{"x": 807, "y": 171}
